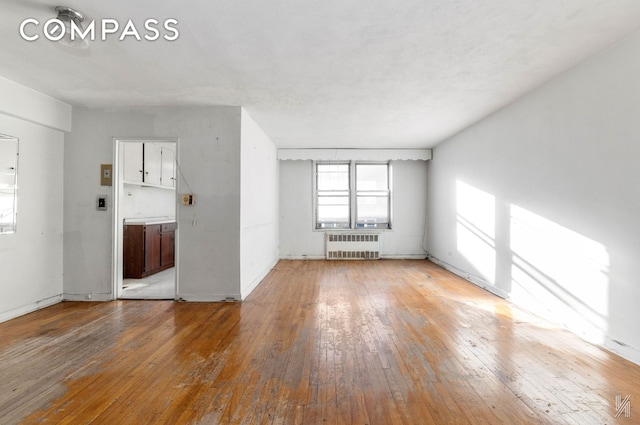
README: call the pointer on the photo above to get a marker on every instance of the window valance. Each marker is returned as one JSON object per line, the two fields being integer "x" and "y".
{"x": 355, "y": 154}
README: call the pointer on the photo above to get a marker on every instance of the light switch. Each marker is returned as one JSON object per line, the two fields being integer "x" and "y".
{"x": 101, "y": 203}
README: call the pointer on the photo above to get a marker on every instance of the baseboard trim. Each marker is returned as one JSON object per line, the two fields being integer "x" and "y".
{"x": 404, "y": 257}
{"x": 255, "y": 282}
{"x": 623, "y": 350}
{"x": 211, "y": 298}
{"x": 303, "y": 257}
{"x": 384, "y": 257}
{"x": 470, "y": 278}
{"x": 88, "y": 297}
{"x": 30, "y": 308}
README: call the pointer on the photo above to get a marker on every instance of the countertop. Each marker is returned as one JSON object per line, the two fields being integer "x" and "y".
{"x": 149, "y": 220}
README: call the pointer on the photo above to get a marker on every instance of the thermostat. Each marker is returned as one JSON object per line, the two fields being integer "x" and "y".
{"x": 188, "y": 199}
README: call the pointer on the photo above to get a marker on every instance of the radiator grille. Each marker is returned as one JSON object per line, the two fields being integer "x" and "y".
{"x": 353, "y": 246}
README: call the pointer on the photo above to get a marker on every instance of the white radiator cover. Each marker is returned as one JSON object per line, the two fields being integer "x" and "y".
{"x": 352, "y": 246}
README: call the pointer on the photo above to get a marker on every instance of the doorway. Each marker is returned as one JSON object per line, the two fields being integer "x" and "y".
{"x": 145, "y": 225}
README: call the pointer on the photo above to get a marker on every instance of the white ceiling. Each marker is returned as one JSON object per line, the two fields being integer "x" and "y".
{"x": 325, "y": 74}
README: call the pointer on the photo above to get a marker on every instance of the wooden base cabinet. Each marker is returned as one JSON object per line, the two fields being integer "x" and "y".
{"x": 148, "y": 249}
{"x": 167, "y": 245}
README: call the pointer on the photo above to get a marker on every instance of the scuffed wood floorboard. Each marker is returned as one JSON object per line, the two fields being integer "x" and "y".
{"x": 317, "y": 342}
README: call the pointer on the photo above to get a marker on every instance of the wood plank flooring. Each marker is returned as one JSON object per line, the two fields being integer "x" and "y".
{"x": 380, "y": 342}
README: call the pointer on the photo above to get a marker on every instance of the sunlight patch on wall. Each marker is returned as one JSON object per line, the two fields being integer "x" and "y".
{"x": 475, "y": 229}
{"x": 560, "y": 271}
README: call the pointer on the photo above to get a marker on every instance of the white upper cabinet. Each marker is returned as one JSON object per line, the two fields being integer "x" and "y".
{"x": 150, "y": 164}
{"x": 168, "y": 172}
{"x": 133, "y": 162}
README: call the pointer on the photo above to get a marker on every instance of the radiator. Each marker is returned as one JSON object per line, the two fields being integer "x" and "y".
{"x": 353, "y": 246}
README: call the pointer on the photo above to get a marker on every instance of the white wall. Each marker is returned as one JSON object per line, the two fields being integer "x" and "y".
{"x": 540, "y": 201}
{"x": 297, "y": 240}
{"x": 31, "y": 258}
{"x": 409, "y": 203}
{"x": 259, "y": 205}
{"x": 30, "y": 105}
{"x": 208, "y": 232}
{"x": 144, "y": 201}
{"x": 407, "y": 239}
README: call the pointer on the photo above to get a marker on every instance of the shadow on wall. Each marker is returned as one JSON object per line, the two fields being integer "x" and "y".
{"x": 542, "y": 266}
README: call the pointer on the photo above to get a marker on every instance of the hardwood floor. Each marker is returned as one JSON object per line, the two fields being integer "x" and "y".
{"x": 381, "y": 342}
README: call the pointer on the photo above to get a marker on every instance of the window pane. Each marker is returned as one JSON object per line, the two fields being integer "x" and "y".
{"x": 333, "y": 211}
{"x": 333, "y": 200}
{"x": 6, "y": 209}
{"x": 333, "y": 176}
{"x": 8, "y": 188}
{"x": 372, "y": 177}
{"x": 373, "y": 211}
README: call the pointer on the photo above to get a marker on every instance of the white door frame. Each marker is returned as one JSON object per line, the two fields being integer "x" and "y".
{"x": 118, "y": 171}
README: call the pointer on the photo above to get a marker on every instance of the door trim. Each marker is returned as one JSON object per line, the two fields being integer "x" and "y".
{"x": 117, "y": 228}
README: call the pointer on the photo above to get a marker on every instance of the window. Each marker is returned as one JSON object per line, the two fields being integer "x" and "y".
{"x": 8, "y": 183}
{"x": 333, "y": 196}
{"x": 372, "y": 195}
{"x": 352, "y": 195}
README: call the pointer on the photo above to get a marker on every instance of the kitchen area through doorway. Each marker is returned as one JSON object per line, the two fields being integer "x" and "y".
{"x": 147, "y": 214}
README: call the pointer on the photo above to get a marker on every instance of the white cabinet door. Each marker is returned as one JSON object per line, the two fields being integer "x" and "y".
{"x": 133, "y": 168}
{"x": 152, "y": 163}
{"x": 168, "y": 176}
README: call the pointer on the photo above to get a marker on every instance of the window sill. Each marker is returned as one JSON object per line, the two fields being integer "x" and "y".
{"x": 356, "y": 230}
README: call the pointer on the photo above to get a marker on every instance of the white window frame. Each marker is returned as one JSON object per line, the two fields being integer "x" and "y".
{"x": 353, "y": 197}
